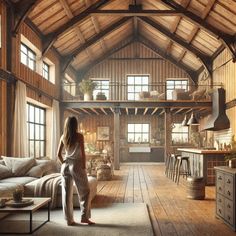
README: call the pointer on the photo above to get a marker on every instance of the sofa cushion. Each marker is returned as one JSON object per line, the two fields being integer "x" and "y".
{"x": 19, "y": 166}
{"x": 4, "y": 172}
{"x": 18, "y": 180}
{"x": 36, "y": 171}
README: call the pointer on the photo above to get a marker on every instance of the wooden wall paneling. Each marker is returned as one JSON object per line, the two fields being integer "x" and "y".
{"x": 3, "y": 59}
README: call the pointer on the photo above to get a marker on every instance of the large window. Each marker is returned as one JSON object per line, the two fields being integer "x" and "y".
{"x": 102, "y": 88}
{"x": 138, "y": 133}
{"x": 136, "y": 84}
{"x": 46, "y": 71}
{"x": 175, "y": 84}
{"x": 27, "y": 57}
{"x": 36, "y": 120}
{"x": 179, "y": 134}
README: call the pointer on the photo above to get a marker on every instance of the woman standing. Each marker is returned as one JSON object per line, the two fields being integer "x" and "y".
{"x": 73, "y": 168}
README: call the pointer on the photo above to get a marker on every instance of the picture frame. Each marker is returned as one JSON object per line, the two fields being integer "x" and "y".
{"x": 103, "y": 133}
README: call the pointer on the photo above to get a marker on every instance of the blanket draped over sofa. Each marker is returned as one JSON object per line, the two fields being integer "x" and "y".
{"x": 48, "y": 187}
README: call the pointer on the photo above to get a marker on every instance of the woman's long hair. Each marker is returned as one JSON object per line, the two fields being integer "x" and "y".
{"x": 70, "y": 132}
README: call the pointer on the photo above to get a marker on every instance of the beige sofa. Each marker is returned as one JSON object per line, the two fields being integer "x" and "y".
{"x": 26, "y": 173}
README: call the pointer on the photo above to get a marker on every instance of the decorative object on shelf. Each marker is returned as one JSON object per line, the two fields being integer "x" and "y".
{"x": 101, "y": 96}
{"x": 17, "y": 195}
{"x": 196, "y": 139}
{"x": 87, "y": 87}
{"x": 103, "y": 133}
{"x": 231, "y": 157}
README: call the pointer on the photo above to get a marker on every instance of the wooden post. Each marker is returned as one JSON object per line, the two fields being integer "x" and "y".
{"x": 168, "y": 130}
{"x": 116, "y": 138}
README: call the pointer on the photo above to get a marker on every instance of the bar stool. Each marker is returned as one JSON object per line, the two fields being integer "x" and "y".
{"x": 182, "y": 169}
{"x": 168, "y": 164}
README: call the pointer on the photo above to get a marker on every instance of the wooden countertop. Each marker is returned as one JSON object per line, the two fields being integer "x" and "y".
{"x": 226, "y": 168}
{"x": 202, "y": 151}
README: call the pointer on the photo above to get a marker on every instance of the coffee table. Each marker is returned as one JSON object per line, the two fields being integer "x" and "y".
{"x": 38, "y": 203}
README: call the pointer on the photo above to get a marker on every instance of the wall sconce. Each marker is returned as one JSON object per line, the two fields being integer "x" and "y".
{"x": 192, "y": 120}
{"x": 185, "y": 121}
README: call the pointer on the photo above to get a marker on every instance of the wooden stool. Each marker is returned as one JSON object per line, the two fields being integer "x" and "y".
{"x": 186, "y": 170}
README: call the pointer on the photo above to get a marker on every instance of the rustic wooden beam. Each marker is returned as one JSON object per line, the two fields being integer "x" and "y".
{"x": 193, "y": 75}
{"x": 136, "y": 111}
{"x": 22, "y": 10}
{"x": 145, "y": 111}
{"x": 127, "y": 110}
{"x": 97, "y": 37}
{"x": 135, "y": 27}
{"x": 154, "y": 111}
{"x": 136, "y": 12}
{"x": 226, "y": 39}
{"x": 206, "y": 60}
{"x": 103, "y": 110}
{"x": 52, "y": 37}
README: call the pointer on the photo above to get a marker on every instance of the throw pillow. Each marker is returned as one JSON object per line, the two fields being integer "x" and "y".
{"x": 36, "y": 171}
{"x": 5, "y": 172}
{"x": 19, "y": 166}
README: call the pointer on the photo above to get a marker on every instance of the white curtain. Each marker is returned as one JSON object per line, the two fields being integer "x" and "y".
{"x": 55, "y": 129}
{"x": 20, "y": 141}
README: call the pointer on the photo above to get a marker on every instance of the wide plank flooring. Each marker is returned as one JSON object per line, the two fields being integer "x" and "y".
{"x": 170, "y": 211}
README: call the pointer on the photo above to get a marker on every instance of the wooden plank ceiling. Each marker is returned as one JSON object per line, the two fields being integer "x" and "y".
{"x": 186, "y": 32}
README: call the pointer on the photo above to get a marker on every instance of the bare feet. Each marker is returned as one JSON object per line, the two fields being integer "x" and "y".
{"x": 71, "y": 223}
{"x": 87, "y": 221}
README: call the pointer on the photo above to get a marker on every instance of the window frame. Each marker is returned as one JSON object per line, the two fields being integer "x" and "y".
{"x": 46, "y": 72}
{"x": 176, "y": 86}
{"x": 40, "y": 124}
{"x": 28, "y": 57}
{"x": 138, "y": 133}
{"x": 183, "y": 127}
{"x": 136, "y": 85}
{"x": 100, "y": 87}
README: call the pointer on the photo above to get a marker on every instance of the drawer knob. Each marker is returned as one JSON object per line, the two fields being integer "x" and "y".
{"x": 220, "y": 210}
{"x": 229, "y": 217}
{"x": 228, "y": 206}
{"x": 229, "y": 193}
{"x": 220, "y": 200}
{"x": 220, "y": 188}
{"x": 228, "y": 181}
{"x": 220, "y": 178}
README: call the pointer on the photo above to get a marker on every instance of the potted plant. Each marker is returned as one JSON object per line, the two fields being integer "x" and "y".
{"x": 87, "y": 86}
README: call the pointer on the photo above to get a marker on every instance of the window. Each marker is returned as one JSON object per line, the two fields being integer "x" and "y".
{"x": 102, "y": 87}
{"x": 27, "y": 57}
{"x": 46, "y": 71}
{"x": 175, "y": 84}
{"x": 36, "y": 129}
{"x": 136, "y": 84}
{"x": 179, "y": 134}
{"x": 138, "y": 133}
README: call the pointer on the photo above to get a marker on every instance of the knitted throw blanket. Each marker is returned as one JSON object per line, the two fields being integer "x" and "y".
{"x": 48, "y": 186}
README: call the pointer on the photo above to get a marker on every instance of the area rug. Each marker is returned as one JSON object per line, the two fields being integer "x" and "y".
{"x": 120, "y": 219}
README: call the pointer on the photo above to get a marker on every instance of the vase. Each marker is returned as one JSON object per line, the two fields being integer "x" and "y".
{"x": 17, "y": 195}
{"x": 88, "y": 97}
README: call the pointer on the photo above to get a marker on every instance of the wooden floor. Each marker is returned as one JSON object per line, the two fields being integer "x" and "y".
{"x": 170, "y": 211}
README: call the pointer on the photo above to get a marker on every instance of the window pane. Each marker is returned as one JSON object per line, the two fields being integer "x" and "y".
{"x": 130, "y": 96}
{"x": 146, "y": 128}
{"x": 31, "y": 131}
{"x": 138, "y": 89}
{"x": 145, "y": 138}
{"x": 131, "y": 128}
{"x": 37, "y": 134}
{"x": 42, "y": 132}
{"x": 145, "y": 80}
{"x": 37, "y": 149}
{"x": 130, "y": 138}
{"x": 130, "y": 88}
{"x": 23, "y": 58}
{"x": 138, "y": 128}
{"x": 42, "y": 118}
{"x": 130, "y": 80}
{"x": 42, "y": 149}
{"x": 144, "y": 88}
{"x": 31, "y": 147}
{"x": 138, "y": 80}
{"x": 138, "y": 138}
{"x": 37, "y": 116}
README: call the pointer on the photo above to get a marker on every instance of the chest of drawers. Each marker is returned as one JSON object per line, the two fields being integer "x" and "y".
{"x": 226, "y": 195}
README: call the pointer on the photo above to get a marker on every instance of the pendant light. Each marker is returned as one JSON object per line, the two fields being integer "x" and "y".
{"x": 185, "y": 121}
{"x": 192, "y": 120}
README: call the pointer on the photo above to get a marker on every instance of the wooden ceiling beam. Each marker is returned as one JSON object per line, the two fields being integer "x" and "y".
{"x": 145, "y": 111}
{"x": 52, "y": 37}
{"x": 136, "y": 111}
{"x": 22, "y": 9}
{"x": 206, "y": 60}
{"x": 127, "y": 110}
{"x": 77, "y": 29}
{"x": 154, "y": 111}
{"x": 69, "y": 58}
{"x": 103, "y": 110}
{"x": 226, "y": 39}
{"x": 96, "y": 112}
{"x": 193, "y": 75}
{"x": 124, "y": 13}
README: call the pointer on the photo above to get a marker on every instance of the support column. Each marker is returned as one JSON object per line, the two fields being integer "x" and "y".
{"x": 116, "y": 138}
{"x": 168, "y": 130}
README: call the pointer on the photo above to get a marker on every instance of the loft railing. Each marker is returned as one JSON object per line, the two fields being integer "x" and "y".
{"x": 152, "y": 92}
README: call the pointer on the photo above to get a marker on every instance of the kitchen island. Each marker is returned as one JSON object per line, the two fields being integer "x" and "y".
{"x": 202, "y": 162}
